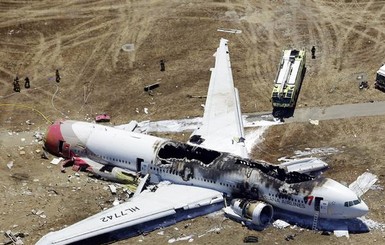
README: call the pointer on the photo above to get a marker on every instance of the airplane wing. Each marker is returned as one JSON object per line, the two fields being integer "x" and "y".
{"x": 149, "y": 210}
{"x": 222, "y": 127}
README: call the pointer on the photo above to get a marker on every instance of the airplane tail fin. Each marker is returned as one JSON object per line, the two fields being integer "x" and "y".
{"x": 363, "y": 183}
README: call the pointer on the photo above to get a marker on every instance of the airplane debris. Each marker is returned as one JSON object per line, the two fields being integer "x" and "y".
{"x": 341, "y": 233}
{"x": 128, "y": 47}
{"x": 14, "y": 238}
{"x": 234, "y": 31}
{"x": 112, "y": 189}
{"x": 145, "y": 110}
{"x": 280, "y": 224}
{"x": 290, "y": 237}
{"x": 102, "y": 118}
{"x": 38, "y": 136}
{"x": 44, "y": 155}
{"x": 196, "y": 96}
{"x": 186, "y": 238}
{"x": 116, "y": 202}
{"x": 151, "y": 87}
{"x": 250, "y": 239}
{"x": 39, "y": 213}
{"x": 316, "y": 151}
{"x": 314, "y": 122}
{"x": 10, "y": 164}
{"x": 56, "y": 161}
{"x": 371, "y": 224}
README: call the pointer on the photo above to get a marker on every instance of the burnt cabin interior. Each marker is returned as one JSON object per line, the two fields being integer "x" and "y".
{"x": 172, "y": 151}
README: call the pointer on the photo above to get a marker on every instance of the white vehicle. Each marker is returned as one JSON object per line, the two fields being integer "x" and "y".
{"x": 212, "y": 166}
{"x": 380, "y": 78}
{"x": 288, "y": 81}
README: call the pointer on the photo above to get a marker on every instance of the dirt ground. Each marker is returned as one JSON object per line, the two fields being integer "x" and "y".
{"x": 83, "y": 40}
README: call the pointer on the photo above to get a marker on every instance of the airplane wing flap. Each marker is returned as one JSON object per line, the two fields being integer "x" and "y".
{"x": 146, "y": 207}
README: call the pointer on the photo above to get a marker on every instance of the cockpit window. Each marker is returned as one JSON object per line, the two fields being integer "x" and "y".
{"x": 352, "y": 203}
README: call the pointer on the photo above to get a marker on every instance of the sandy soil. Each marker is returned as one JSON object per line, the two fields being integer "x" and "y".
{"x": 83, "y": 40}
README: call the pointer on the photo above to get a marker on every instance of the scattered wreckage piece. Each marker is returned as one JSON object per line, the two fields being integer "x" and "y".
{"x": 102, "y": 118}
{"x": 234, "y": 31}
{"x": 56, "y": 161}
{"x": 250, "y": 239}
{"x": 151, "y": 87}
{"x": 14, "y": 238}
{"x": 148, "y": 211}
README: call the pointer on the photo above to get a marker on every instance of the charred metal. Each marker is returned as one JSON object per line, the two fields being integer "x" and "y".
{"x": 183, "y": 158}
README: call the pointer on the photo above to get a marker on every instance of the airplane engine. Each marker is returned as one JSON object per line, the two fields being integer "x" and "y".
{"x": 256, "y": 212}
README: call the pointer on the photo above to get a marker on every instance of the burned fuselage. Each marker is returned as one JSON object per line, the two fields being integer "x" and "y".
{"x": 234, "y": 176}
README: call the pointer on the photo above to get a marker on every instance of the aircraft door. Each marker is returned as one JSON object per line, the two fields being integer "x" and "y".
{"x": 317, "y": 203}
{"x": 139, "y": 164}
{"x": 324, "y": 207}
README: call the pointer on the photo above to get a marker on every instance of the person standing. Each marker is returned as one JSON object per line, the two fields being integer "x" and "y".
{"x": 57, "y": 76}
{"x": 16, "y": 85}
{"x": 27, "y": 84}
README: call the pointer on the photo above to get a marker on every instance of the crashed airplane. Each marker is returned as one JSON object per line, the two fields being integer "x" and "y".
{"x": 192, "y": 178}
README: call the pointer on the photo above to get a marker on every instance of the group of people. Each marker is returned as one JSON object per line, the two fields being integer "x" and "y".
{"x": 16, "y": 85}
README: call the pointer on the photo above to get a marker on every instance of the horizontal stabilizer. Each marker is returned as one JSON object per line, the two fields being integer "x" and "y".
{"x": 363, "y": 183}
{"x": 304, "y": 165}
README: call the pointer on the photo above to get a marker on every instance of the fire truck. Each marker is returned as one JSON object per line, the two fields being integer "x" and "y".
{"x": 380, "y": 78}
{"x": 288, "y": 81}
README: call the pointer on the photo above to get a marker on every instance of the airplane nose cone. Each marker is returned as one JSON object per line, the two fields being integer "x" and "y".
{"x": 53, "y": 137}
{"x": 361, "y": 209}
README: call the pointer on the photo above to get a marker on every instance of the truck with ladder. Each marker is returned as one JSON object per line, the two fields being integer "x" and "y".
{"x": 380, "y": 78}
{"x": 289, "y": 78}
